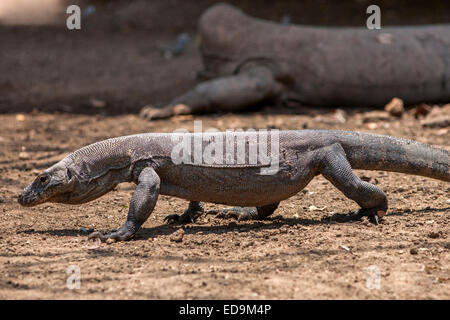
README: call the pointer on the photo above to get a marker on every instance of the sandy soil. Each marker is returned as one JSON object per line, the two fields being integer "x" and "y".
{"x": 308, "y": 249}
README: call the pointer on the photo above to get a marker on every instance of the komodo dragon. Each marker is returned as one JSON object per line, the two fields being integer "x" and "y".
{"x": 249, "y": 61}
{"x": 148, "y": 160}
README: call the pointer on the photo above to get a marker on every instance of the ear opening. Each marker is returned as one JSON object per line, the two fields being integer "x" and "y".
{"x": 69, "y": 174}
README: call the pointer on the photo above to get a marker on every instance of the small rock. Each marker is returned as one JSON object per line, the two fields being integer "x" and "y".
{"x": 413, "y": 251}
{"x": 24, "y": 155}
{"x": 395, "y": 107}
{"x": 421, "y": 110}
{"x": 177, "y": 236}
{"x": 20, "y": 117}
{"x": 433, "y": 235}
{"x": 110, "y": 241}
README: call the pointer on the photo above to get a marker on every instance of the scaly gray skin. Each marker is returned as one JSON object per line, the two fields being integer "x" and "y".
{"x": 145, "y": 159}
{"x": 251, "y": 60}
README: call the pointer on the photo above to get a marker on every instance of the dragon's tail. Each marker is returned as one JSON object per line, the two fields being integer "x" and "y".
{"x": 379, "y": 152}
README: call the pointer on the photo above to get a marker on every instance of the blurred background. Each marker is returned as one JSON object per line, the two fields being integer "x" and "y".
{"x": 119, "y": 61}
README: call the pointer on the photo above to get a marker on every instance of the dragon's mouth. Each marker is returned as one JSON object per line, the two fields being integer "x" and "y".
{"x": 29, "y": 200}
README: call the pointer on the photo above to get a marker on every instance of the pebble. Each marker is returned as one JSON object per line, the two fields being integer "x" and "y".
{"x": 413, "y": 251}
{"x": 177, "y": 236}
{"x": 422, "y": 110}
{"x": 433, "y": 235}
{"x": 24, "y": 155}
{"x": 395, "y": 107}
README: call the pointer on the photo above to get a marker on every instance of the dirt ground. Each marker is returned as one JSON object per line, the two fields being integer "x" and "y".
{"x": 87, "y": 86}
{"x": 309, "y": 249}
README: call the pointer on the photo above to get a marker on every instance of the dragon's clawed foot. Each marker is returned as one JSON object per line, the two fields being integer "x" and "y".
{"x": 172, "y": 218}
{"x": 240, "y": 214}
{"x": 189, "y": 216}
{"x": 122, "y": 234}
{"x": 375, "y": 215}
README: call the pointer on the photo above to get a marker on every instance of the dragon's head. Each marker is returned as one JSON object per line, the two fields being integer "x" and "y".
{"x": 66, "y": 183}
{"x": 50, "y": 185}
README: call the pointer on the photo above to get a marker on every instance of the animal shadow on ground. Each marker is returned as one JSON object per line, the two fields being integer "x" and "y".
{"x": 277, "y": 222}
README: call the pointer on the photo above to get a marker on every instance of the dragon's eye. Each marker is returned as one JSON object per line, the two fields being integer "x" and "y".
{"x": 43, "y": 179}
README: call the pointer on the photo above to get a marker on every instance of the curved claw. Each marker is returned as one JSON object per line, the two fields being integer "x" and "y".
{"x": 374, "y": 215}
{"x": 375, "y": 219}
{"x": 172, "y": 218}
{"x": 118, "y": 235}
{"x": 227, "y": 215}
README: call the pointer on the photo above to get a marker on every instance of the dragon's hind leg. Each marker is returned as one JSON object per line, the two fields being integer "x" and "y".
{"x": 335, "y": 167}
{"x": 194, "y": 210}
